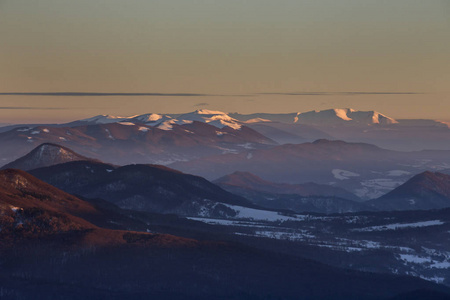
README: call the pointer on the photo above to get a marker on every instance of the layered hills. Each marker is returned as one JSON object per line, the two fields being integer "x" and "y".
{"x": 50, "y": 251}
{"x": 307, "y": 197}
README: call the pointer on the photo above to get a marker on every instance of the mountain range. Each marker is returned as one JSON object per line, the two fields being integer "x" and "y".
{"x": 352, "y": 126}
{"x": 133, "y": 142}
{"x": 363, "y": 169}
{"x": 166, "y": 138}
{"x": 160, "y": 189}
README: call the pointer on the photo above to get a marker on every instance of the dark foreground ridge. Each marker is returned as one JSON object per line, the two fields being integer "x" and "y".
{"x": 56, "y": 254}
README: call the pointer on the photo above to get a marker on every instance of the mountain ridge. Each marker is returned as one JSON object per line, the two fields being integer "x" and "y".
{"x": 426, "y": 190}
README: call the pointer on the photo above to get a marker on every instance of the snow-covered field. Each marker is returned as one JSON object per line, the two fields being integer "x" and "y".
{"x": 401, "y": 226}
{"x": 351, "y": 234}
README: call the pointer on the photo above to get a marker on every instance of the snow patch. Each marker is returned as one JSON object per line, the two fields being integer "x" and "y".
{"x": 342, "y": 114}
{"x": 149, "y": 118}
{"x": 109, "y": 134}
{"x": 343, "y": 174}
{"x": 414, "y": 258}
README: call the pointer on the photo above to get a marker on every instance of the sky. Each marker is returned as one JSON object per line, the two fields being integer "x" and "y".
{"x": 62, "y": 60}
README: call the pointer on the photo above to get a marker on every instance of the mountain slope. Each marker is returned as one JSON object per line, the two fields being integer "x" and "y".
{"x": 426, "y": 190}
{"x": 45, "y": 155}
{"x": 32, "y": 209}
{"x": 143, "y": 187}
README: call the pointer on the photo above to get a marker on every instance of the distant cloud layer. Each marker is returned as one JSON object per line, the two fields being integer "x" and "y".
{"x": 201, "y": 104}
{"x": 81, "y": 94}
{"x": 340, "y": 93}
{"x": 29, "y": 107}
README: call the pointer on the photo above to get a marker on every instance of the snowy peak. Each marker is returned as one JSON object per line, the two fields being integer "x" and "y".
{"x": 43, "y": 156}
{"x": 149, "y": 118}
{"x": 343, "y": 116}
{"x": 343, "y": 113}
{"x": 216, "y": 118}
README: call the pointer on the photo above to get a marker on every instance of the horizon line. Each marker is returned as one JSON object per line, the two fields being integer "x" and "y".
{"x": 131, "y": 94}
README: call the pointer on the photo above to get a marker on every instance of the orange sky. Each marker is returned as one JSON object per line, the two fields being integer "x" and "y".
{"x": 235, "y": 49}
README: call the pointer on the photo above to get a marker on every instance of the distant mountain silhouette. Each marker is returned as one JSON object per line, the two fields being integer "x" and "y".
{"x": 307, "y": 197}
{"x": 426, "y": 190}
{"x": 363, "y": 169}
{"x": 246, "y": 180}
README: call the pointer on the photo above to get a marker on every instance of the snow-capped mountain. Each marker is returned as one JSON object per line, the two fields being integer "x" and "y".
{"x": 337, "y": 116}
{"x": 352, "y": 126}
{"x": 166, "y": 121}
{"x": 341, "y": 124}
{"x": 104, "y": 119}
{"x": 45, "y": 155}
{"x": 215, "y": 118}
{"x": 345, "y": 116}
